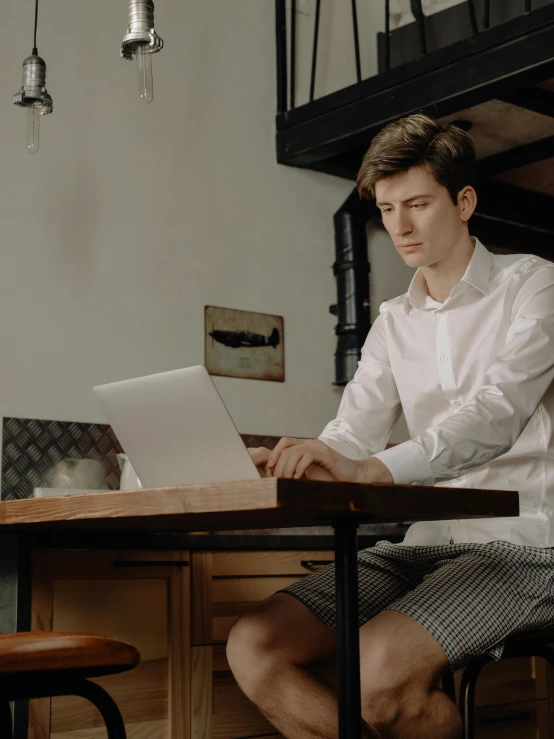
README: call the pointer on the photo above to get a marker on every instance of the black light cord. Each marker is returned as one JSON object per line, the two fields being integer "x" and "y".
{"x": 35, "y": 50}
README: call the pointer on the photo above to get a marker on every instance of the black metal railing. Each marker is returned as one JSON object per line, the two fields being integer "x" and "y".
{"x": 284, "y": 103}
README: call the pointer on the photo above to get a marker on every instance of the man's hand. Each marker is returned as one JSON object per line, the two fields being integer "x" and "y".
{"x": 314, "y": 460}
{"x": 259, "y": 456}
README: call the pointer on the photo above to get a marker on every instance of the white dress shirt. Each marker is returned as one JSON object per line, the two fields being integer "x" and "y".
{"x": 474, "y": 377}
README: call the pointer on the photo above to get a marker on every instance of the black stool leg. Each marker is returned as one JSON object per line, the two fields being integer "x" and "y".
{"x": 467, "y": 694}
{"x": 448, "y": 686}
{"x": 39, "y": 685}
{"x": 105, "y": 704}
{"x": 5, "y": 720}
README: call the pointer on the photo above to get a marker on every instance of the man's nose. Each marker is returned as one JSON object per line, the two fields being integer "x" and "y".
{"x": 402, "y": 224}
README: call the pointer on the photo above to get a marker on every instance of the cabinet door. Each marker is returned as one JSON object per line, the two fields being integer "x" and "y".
{"x": 226, "y": 584}
{"x": 219, "y": 709}
{"x": 515, "y": 721}
{"x": 140, "y": 597}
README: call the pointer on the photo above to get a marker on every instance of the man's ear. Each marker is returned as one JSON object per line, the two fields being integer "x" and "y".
{"x": 467, "y": 201}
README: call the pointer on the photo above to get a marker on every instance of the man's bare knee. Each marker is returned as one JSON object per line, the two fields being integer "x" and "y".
{"x": 387, "y": 703}
{"x": 279, "y": 631}
{"x": 400, "y": 665}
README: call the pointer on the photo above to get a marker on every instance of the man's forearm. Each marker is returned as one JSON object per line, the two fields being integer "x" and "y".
{"x": 373, "y": 470}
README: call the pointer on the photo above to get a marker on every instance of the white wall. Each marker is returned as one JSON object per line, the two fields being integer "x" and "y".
{"x": 132, "y": 218}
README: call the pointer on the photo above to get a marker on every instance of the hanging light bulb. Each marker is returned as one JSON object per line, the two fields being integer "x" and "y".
{"x": 140, "y": 42}
{"x": 33, "y": 95}
{"x": 33, "y": 129}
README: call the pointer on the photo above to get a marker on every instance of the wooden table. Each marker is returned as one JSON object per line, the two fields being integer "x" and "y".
{"x": 264, "y": 503}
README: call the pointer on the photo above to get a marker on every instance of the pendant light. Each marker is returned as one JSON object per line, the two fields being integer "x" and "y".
{"x": 140, "y": 42}
{"x": 33, "y": 95}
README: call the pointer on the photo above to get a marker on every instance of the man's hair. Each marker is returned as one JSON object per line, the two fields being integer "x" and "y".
{"x": 419, "y": 140}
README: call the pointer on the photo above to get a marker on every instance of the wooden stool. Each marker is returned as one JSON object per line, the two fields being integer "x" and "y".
{"x": 40, "y": 664}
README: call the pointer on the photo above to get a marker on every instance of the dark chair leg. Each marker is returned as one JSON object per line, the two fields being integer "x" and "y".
{"x": 105, "y": 704}
{"x": 467, "y": 694}
{"x": 448, "y": 686}
{"x": 6, "y": 720}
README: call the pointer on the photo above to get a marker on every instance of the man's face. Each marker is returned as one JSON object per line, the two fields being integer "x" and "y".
{"x": 419, "y": 215}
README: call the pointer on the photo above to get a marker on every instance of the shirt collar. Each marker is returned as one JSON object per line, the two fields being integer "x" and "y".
{"x": 477, "y": 274}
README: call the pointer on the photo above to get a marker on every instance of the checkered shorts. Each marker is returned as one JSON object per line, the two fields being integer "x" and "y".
{"x": 469, "y": 597}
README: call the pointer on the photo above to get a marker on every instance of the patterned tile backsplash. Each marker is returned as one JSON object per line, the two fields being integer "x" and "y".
{"x": 31, "y": 447}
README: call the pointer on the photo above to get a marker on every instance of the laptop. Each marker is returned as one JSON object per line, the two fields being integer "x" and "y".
{"x": 175, "y": 429}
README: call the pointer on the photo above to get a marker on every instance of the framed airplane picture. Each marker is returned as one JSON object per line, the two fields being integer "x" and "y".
{"x": 239, "y": 343}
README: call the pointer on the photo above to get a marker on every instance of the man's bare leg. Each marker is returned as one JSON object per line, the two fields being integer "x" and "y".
{"x": 271, "y": 649}
{"x": 401, "y": 669}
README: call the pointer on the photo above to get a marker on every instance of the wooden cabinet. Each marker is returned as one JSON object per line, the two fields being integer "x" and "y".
{"x": 138, "y": 597}
{"x": 219, "y": 708}
{"x": 179, "y": 617}
{"x": 514, "y": 721}
{"x": 224, "y": 586}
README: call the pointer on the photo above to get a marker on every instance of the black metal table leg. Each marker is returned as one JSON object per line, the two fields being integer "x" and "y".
{"x": 15, "y": 604}
{"x": 348, "y": 638}
{"x": 6, "y": 721}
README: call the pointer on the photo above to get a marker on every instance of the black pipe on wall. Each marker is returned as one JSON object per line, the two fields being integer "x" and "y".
{"x": 351, "y": 270}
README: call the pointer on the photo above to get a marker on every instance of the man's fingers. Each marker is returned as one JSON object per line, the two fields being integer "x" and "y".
{"x": 259, "y": 456}
{"x": 294, "y": 456}
{"x": 303, "y": 465}
{"x": 284, "y": 443}
{"x": 287, "y": 462}
{"x": 279, "y": 469}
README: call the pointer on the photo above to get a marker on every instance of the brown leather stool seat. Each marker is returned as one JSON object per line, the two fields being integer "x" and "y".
{"x": 41, "y": 664}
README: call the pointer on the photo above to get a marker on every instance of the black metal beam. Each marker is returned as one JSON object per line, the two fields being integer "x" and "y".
{"x": 460, "y": 51}
{"x": 387, "y": 34}
{"x": 293, "y": 54}
{"x": 531, "y": 98}
{"x": 512, "y": 237}
{"x": 314, "y": 48}
{"x": 472, "y": 16}
{"x": 443, "y": 91}
{"x": 514, "y": 217}
{"x": 281, "y": 54}
{"x": 417, "y": 12}
{"x": 506, "y": 216}
{"x": 487, "y": 14}
{"x": 520, "y": 156}
{"x": 356, "y": 41}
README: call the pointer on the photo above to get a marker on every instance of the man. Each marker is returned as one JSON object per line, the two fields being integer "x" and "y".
{"x": 468, "y": 355}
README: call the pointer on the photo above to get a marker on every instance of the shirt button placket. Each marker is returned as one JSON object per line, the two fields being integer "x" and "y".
{"x": 446, "y": 373}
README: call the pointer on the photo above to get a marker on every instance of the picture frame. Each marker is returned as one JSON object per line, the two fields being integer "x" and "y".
{"x": 244, "y": 344}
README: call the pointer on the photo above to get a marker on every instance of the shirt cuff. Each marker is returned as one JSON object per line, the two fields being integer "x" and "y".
{"x": 407, "y": 464}
{"x": 342, "y": 446}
